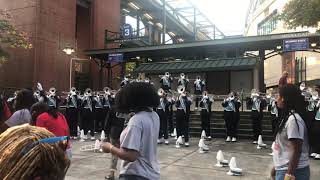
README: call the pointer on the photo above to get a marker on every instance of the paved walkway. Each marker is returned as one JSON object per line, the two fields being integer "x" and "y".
{"x": 186, "y": 163}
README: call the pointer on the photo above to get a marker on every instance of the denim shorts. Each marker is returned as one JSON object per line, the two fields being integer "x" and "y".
{"x": 300, "y": 174}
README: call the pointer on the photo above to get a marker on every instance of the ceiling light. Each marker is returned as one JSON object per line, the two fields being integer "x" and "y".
{"x": 148, "y": 16}
{"x": 68, "y": 50}
{"x": 159, "y": 25}
{"x": 313, "y": 44}
{"x": 279, "y": 47}
{"x": 172, "y": 33}
{"x": 133, "y": 5}
{"x": 125, "y": 10}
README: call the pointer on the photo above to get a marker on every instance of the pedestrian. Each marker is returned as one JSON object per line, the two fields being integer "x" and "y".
{"x": 52, "y": 120}
{"x": 29, "y": 152}
{"x": 291, "y": 148}
{"x": 138, "y": 141}
{"x": 284, "y": 79}
{"x": 22, "y": 106}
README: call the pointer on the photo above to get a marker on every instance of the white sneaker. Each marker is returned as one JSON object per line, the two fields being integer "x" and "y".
{"x": 85, "y": 137}
{"x": 234, "y": 139}
{"x": 317, "y": 157}
{"x": 255, "y": 142}
{"x": 209, "y": 137}
{"x": 195, "y": 108}
{"x": 186, "y": 144}
{"x": 228, "y": 139}
{"x": 178, "y": 145}
{"x": 82, "y": 140}
{"x": 166, "y": 142}
{"x": 313, "y": 155}
{"x": 92, "y": 138}
{"x": 159, "y": 141}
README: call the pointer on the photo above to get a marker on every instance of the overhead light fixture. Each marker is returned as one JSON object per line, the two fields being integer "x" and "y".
{"x": 150, "y": 22}
{"x": 68, "y": 50}
{"x": 159, "y": 25}
{"x": 138, "y": 57}
{"x": 279, "y": 47}
{"x": 148, "y": 16}
{"x": 172, "y": 33}
{"x": 133, "y": 5}
{"x": 126, "y": 10}
{"x": 313, "y": 44}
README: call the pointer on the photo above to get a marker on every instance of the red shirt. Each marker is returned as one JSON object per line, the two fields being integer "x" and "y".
{"x": 58, "y": 126}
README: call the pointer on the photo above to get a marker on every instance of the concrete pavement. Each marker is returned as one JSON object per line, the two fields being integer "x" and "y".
{"x": 186, "y": 163}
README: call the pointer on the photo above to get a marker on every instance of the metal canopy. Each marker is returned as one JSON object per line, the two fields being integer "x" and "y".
{"x": 198, "y": 66}
{"x": 183, "y": 18}
{"x": 204, "y": 48}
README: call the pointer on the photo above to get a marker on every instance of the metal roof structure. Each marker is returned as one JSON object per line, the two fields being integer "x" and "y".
{"x": 181, "y": 20}
{"x": 205, "y": 48}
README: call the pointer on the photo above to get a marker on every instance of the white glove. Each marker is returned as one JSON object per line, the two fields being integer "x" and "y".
{"x": 39, "y": 86}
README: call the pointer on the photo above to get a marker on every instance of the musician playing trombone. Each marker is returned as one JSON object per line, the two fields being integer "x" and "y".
{"x": 183, "y": 104}
{"x": 166, "y": 81}
{"x": 198, "y": 89}
{"x": 205, "y": 105}
{"x": 72, "y": 102}
{"x": 183, "y": 81}
{"x": 162, "y": 111}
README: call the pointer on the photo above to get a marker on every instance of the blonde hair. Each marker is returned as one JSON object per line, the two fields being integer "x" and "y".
{"x": 43, "y": 161}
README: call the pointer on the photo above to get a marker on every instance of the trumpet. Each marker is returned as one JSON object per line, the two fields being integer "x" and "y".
{"x": 52, "y": 91}
{"x": 161, "y": 92}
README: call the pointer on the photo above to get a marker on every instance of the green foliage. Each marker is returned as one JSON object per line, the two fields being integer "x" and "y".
{"x": 10, "y": 37}
{"x": 299, "y": 13}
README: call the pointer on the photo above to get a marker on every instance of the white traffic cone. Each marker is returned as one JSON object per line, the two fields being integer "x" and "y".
{"x": 234, "y": 170}
{"x": 103, "y": 136}
{"x": 82, "y": 136}
{"x": 203, "y": 148}
{"x": 260, "y": 143}
{"x": 97, "y": 145}
{"x": 221, "y": 162}
{"x": 179, "y": 142}
{"x": 203, "y": 134}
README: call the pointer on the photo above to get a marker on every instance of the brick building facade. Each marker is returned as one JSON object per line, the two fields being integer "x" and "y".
{"x": 53, "y": 25}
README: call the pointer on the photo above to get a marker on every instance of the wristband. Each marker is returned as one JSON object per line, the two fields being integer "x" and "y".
{"x": 289, "y": 177}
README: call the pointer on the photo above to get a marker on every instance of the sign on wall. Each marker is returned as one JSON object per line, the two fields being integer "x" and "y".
{"x": 115, "y": 57}
{"x": 127, "y": 30}
{"x": 295, "y": 44}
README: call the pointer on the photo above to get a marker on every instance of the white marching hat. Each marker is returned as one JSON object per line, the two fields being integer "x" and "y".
{"x": 221, "y": 162}
{"x": 179, "y": 142}
{"x": 234, "y": 170}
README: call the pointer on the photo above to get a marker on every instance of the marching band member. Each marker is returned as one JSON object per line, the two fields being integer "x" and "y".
{"x": 162, "y": 110}
{"x": 107, "y": 102}
{"x": 183, "y": 81}
{"x": 229, "y": 109}
{"x": 274, "y": 113}
{"x": 99, "y": 112}
{"x": 171, "y": 101}
{"x": 235, "y": 125}
{"x": 87, "y": 114}
{"x": 257, "y": 105}
{"x": 198, "y": 89}
{"x": 166, "y": 82}
{"x": 205, "y": 105}
{"x": 124, "y": 82}
{"x": 72, "y": 109}
{"x": 183, "y": 104}
{"x": 52, "y": 99}
{"x": 316, "y": 130}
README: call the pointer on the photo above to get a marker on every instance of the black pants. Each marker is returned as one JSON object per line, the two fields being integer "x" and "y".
{"x": 229, "y": 120}
{"x": 182, "y": 124}
{"x": 315, "y": 133}
{"x": 100, "y": 118}
{"x": 72, "y": 119}
{"x": 87, "y": 121}
{"x": 163, "y": 131}
{"x": 274, "y": 123}
{"x": 235, "y": 124}
{"x": 205, "y": 121}
{"x": 170, "y": 121}
{"x": 256, "y": 124}
{"x": 198, "y": 99}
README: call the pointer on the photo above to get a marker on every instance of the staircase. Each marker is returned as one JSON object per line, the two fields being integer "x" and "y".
{"x": 218, "y": 128}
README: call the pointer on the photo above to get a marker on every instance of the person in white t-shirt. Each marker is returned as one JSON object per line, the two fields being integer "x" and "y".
{"x": 138, "y": 141}
{"x": 291, "y": 146}
{"x": 22, "y": 105}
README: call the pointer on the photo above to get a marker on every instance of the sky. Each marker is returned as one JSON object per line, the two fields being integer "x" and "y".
{"x": 228, "y": 15}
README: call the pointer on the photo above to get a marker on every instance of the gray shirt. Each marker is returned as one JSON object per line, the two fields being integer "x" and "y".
{"x": 141, "y": 135}
{"x": 281, "y": 151}
{"x": 19, "y": 117}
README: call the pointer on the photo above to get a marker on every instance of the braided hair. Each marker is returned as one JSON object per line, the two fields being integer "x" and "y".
{"x": 43, "y": 161}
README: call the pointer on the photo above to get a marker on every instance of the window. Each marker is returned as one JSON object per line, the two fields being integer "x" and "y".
{"x": 269, "y": 24}
{"x": 300, "y": 68}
